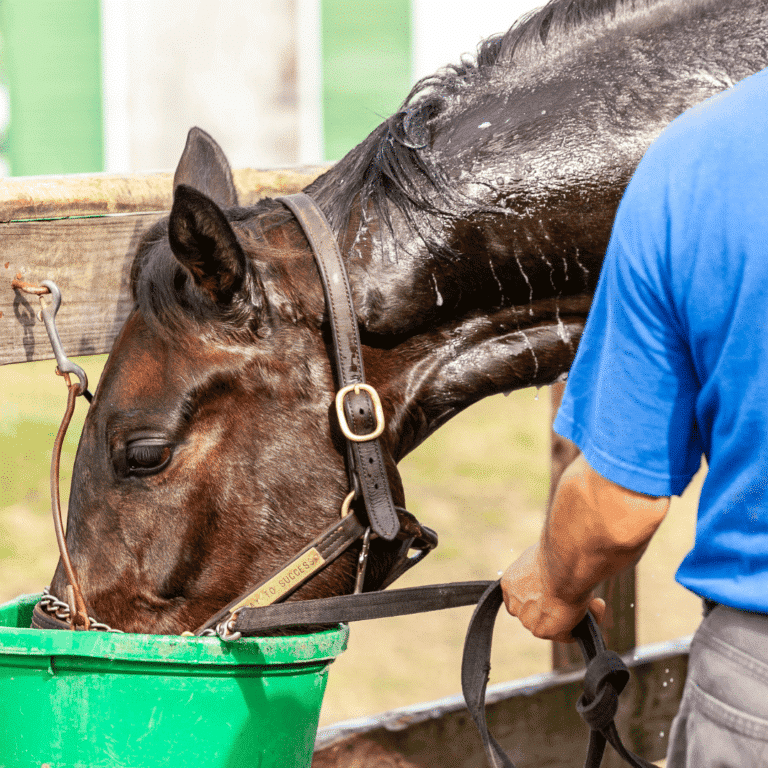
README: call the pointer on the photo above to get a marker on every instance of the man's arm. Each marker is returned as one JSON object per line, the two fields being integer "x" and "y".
{"x": 594, "y": 530}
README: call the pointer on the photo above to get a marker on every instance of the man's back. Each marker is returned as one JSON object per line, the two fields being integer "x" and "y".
{"x": 679, "y": 353}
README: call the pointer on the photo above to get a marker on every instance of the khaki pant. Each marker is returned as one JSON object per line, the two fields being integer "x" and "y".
{"x": 723, "y": 717}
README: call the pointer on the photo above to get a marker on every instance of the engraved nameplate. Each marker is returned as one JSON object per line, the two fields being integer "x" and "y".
{"x": 281, "y": 583}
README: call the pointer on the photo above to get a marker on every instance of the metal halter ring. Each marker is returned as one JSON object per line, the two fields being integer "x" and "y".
{"x": 346, "y": 504}
{"x": 377, "y": 409}
{"x": 226, "y": 629}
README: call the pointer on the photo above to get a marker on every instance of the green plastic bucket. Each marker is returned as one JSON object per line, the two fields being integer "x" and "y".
{"x": 95, "y": 699}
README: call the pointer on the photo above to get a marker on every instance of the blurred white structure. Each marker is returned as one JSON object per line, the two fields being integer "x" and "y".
{"x": 247, "y": 71}
{"x": 444, "y": 30}
{"x": 228, "y": 66}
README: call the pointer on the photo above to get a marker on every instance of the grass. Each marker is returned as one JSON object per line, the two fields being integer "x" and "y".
{"x": 481, "y": 482}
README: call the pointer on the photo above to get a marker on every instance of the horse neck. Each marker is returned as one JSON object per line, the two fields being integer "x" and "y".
{"x": 495, "y": 296}
{"x": 490, "y": 310}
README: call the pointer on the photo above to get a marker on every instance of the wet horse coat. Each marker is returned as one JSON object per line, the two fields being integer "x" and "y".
{"x": 473, "y": 224}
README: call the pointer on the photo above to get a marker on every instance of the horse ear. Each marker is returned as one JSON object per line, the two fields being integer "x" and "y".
{"x": 203, "y": 241}
{"x": 204, "y": 166}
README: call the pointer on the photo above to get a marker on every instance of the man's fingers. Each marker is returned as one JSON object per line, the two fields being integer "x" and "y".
{"x": 597, "y": 606}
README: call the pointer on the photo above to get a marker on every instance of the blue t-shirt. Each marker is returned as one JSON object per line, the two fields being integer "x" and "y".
{"x": 673, "y": 363}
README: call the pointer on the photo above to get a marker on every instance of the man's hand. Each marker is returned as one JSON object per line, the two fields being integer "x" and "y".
{"x": 593, "y": 531}
{"x": 526, "y": 595}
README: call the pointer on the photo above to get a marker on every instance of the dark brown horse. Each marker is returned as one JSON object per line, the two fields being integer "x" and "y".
{"x": 473, "y": 224}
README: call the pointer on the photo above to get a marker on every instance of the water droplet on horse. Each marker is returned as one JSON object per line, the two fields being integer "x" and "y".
{"x": 525, "y": 277}
{"x": 561, "y": 332}
{"x": 484, "y": 125}
{"x": 543, "y": 111}
{"x": 496, "y": 278}
{"x": 583, "y": 268}
{"x": 438, "y": 295}
{"x": 551, "y": 268}
{"x": 535, "y": 359}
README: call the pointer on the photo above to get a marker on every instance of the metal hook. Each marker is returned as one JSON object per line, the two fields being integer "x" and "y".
{"x": 362, "y": 561}
{"x": 64, "y": 364}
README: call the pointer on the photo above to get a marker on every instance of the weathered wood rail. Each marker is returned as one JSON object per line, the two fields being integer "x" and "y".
{"x": 82, "y": 232}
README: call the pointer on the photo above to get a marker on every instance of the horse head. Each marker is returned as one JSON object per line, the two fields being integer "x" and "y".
{"x": 195, "y": 471}
{"x": 473, "y": 224}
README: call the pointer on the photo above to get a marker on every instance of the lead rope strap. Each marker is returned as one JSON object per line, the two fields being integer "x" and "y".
{"x": 604, "y": 680}
{"x": 78, "y": 612}
{"x": 360, "y": 607}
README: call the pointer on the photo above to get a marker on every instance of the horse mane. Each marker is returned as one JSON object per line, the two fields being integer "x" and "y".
{"x": 394, "y": 166}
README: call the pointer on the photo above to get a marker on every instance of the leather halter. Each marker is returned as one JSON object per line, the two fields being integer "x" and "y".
{"x": 357, "y": 404}
{"x": 361, "y": 419}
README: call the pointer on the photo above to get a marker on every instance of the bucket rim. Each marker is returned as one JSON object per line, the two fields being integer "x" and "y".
{"x": 290, "y": 649}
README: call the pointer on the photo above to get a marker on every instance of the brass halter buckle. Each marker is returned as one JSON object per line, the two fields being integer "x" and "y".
{"x": 377, "y": 409}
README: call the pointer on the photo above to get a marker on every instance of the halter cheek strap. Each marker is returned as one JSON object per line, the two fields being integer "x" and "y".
{"x": 361, "y": 417}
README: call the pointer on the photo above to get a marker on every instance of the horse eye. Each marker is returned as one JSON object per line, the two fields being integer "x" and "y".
{"x": 143, "y": 457}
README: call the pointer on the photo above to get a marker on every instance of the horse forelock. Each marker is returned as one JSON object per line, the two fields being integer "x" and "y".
{"x": 172, "y": 304}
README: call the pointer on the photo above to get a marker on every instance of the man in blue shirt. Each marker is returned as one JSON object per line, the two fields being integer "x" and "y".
{"x": 673, "y": 365}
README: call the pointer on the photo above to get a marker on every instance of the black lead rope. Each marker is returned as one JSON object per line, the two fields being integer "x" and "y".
{"x": 368, "y": 605}
{"x": 604, "y": 680}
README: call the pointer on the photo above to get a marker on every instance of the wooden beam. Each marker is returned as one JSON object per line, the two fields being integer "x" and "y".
{"x": 535, "y": 721}
{"x": 82, "y": 232}
{"x": 41, "y": 197}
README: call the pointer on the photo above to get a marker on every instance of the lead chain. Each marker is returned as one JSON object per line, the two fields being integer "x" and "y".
{"x": 61, "y": 611}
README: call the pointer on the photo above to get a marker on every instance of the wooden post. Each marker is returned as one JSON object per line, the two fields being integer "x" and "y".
{"x": 619, "y": 592}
